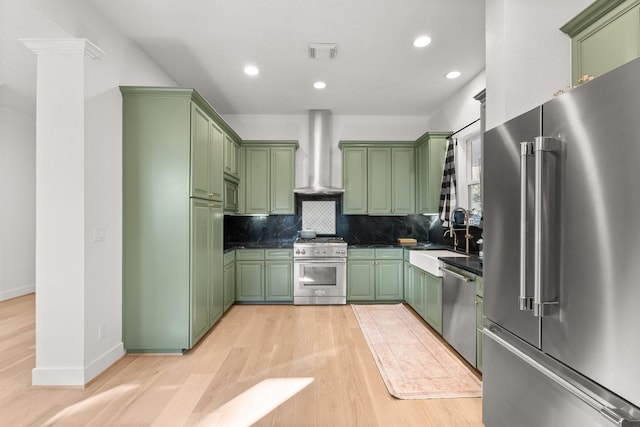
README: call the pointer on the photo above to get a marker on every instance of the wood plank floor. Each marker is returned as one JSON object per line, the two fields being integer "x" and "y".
{"x": 264, "y": 365}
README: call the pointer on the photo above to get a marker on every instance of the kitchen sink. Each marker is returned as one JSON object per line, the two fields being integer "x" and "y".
{"x": 429, "y": 262}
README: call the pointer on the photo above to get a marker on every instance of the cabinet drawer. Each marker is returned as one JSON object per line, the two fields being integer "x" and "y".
{"x": 389, "y": 253}
{"x": 361, "y": 253}
{"x": 406, "y": 254}
{"x": 229, "y": 257}
{"x": 249, "y": 254}
{"x": 284, "y": 254}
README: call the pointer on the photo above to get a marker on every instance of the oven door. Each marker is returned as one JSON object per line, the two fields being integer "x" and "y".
{"x": 320, "y": 281}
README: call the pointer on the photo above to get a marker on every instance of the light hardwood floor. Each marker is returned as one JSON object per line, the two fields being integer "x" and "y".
{"x": 266, "y": 365}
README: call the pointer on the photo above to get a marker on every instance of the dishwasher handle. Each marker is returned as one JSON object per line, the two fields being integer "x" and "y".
{"x": 458, "y": 275}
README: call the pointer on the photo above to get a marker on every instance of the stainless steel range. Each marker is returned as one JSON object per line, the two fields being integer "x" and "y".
{"x": 320, "y": 271}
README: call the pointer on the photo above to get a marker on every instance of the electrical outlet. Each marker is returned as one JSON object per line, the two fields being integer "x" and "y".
{"x": 98, "y": 234}
{"x": 102, "y": 331}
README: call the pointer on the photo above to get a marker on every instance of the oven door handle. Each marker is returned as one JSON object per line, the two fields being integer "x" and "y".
{"x": 320, "y": 261}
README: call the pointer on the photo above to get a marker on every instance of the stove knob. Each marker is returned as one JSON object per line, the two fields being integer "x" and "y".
{"x": 303, "y": 252}
{"x": 297, "y": 251}
{"x": 316, "y": 252}
{"x": 323, "y": 252}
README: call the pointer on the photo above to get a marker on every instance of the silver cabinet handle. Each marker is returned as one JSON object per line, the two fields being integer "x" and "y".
{"x": 458, "y": 275}
{"x": 524, "y": 301}
{"x": 543, "y": 202}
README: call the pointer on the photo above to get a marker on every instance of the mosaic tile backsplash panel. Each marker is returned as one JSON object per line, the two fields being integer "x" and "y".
{"x": 319, "y": 216}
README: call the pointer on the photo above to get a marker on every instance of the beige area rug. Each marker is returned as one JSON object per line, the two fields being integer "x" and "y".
{"x": 411, "y": 360}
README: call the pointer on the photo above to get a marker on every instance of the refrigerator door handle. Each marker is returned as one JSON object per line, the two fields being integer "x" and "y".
{"x": 542, "y": 145}
{"x": 617, "y": 416}
{"x": 525, "y": 302}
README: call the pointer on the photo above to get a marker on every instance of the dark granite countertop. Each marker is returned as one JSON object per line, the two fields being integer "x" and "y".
{"x": 418, "y": 247}
{"x": 472, "y": 263}
{"x": 258, "y": 245}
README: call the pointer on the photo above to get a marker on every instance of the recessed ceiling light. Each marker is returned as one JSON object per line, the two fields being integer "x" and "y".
{"x": 251, "y": 70}
{"x": 453, "y": 74}
{"x": 319, "y": 85}
{"x": 422, "y": 41}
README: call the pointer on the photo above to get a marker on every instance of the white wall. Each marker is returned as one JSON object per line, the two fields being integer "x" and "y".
{"x": 17, "y": 209}
{"x": 461, "y": 108}
{"x": 296, "y": 127}
{"x": 123, "y": 64}
{"x": 527, "y": 57}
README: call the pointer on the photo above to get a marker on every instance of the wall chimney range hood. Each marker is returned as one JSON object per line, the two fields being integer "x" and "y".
{"x": 319, "y": 155}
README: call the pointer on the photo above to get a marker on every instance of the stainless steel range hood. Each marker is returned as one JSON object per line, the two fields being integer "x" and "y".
{"x": 319, "y": 155}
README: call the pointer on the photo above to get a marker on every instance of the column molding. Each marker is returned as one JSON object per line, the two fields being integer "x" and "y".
{"x": 63, "y": 45}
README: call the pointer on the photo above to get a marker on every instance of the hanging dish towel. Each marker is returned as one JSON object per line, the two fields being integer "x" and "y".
{"x": 448, "y": 187}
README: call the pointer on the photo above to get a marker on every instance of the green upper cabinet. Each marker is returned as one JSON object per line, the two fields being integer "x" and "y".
{"x": 268, "y": 177}
{"x": 604, "y": 36}
{"x": 379, "y": 177}
{"x": 282, "y": 163}
{"x": 354, "y": 180}
{"x": 403, "y": 180}
{"x": 206, "y": 156}
{"x": 430, "y": 164}
{"x": 379, "y": 181}
{"x": 231, "y": 157}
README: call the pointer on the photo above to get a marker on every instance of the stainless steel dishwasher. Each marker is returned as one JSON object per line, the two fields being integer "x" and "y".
{"x": 459, "y": 312}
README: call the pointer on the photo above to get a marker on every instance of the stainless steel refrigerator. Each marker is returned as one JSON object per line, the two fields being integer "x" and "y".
{"x": 561, "y": 338}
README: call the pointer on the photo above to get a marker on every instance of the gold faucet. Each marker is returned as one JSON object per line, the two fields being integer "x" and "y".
{"x": 452, "y": 232}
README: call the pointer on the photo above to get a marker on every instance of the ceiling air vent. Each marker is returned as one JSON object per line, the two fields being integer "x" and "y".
{"x": 323, "y": 50}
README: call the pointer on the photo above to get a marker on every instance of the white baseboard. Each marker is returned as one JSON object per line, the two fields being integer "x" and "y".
{"x": 17, "y": 292}
{"x": 76, "y": 376}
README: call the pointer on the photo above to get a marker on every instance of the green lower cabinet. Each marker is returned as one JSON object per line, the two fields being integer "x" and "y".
{"x": 229, "y": 279}
{"x": 375, "y": 275}
{"x": 249, "y": 281}
{"x": 433, "y": 303}
{"x": 408, "y": 284}
{"x": 264, "y": 275}
{"x": 426, "y": 297}
{"x": 479, "y": 305}
{"x": 389, "y": 280}
{"x": 360, "y": 280}
{"x": 419, "y": 291}
{"x": 279, "y": 280}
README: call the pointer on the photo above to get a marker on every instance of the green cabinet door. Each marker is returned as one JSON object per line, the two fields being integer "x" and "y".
{"x": 379, "y": 181}
{"x": 354, "y": 180}
{"x": 200, "y": 152}
{"x": 430, "y": 164}
{"x": 216, "y": 300}
{"x": 229, "y": 280}
{"x": 360, "y": 280}
{"x": 403, "y": 182}
{"x": 408, "y": 283}
{"x": 479, "y": 305}
{"x": 279, "y": 281}
{"x": 200, "y": 268}
{"x": 256, "y": 183}
{"x": 231, "y": 157}
{"x": 249, "y": 280}
{"x": 419, "y": 291}
{"x": 216, "y": 148}
{"x": 282, "y": 180}
{"x": 388, "y": 279}
{"x": 433, "y": 303}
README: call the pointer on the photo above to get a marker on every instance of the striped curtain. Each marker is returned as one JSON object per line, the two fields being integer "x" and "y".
{"x": 448, "y": 187}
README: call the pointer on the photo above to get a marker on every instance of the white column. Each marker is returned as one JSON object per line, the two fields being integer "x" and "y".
{"x": 60, "y": 204}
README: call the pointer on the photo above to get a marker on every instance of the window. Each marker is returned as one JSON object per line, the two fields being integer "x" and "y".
{"x": 469, "y": 173}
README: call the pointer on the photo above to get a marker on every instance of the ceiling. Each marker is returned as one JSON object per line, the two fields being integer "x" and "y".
{"x": 205, "y": 44}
